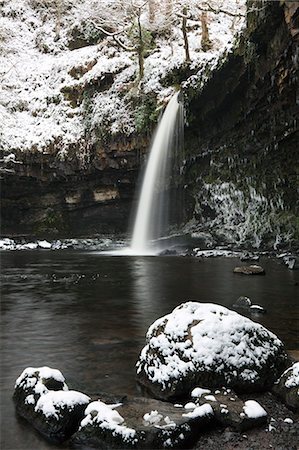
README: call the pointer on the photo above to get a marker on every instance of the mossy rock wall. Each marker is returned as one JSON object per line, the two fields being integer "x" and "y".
{"x": 241, "y": 144}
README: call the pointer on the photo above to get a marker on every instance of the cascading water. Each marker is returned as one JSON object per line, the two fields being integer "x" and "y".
{"x": 150, "y": 222}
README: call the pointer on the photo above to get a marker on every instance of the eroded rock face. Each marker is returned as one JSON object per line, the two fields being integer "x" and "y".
{"x": 211, "y": 346}
{"x": 43, "y": 399}
{"x": 287, "y": 387}
{"x": 141, "y": 423}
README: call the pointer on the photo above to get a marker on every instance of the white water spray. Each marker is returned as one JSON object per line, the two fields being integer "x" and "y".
{"x": 152, "y": 205}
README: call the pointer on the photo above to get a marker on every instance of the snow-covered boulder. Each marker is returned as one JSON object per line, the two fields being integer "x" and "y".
{"x": 141, "y": 423}
{"x": 287, "y": 387}
{"x": 42, "y": 397}
{"x": 208, "y": 345}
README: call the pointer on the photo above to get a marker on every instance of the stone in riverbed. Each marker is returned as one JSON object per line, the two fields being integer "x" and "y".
{"x": 250, "y": 270}
{"x": 141, "y": 423}
{"x": 211, "y": 346}
{"x": 230, "y": 410}
{"x": 43, "y": 399}
{"x": 242, "y": 302}
{"x": 287, "y": 387}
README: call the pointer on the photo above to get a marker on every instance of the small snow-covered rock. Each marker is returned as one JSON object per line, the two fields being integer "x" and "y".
{"x": 287, "y": 387}
{"x": 141, "y": 423}
{"x": 43, "y": 399}
{"x": 208, "y": 345}
{"x": 242, "y": 302}
{"x": 250, "y": 270}
{"x": 44, "y": 244}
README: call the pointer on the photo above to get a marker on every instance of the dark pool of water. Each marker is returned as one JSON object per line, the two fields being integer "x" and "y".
{"x": 87, "y": 315}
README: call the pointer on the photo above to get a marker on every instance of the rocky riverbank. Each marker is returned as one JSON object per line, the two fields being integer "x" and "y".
{"x": 195, "y": 369}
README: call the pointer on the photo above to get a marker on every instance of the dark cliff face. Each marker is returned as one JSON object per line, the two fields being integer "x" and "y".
{"x": 46, "y": 195}
{"x": 242, "y": 138}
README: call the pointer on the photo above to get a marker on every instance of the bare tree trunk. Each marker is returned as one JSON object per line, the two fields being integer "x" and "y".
{"x": 205, "y": 38}
{"x": 140, "y": 50}
{"x": 58, "y": 19}
{"x": 152, "y": 9}
{"x": 184, "y": 30}
{"x": 168, "y": 8}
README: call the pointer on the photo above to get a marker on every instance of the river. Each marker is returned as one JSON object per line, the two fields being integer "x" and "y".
{"x": 87, "y": 314}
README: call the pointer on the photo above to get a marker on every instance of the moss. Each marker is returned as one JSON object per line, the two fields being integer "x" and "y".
{"x": 52, "y": 223}
{"x": 146, "y": 115}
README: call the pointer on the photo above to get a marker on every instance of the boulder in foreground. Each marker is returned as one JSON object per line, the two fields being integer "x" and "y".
{"x": 42, "y": 397}
{"x": 141, "y": 423}
{"x": 203, "y": 344}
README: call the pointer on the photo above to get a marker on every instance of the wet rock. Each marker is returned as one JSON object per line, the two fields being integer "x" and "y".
{"x": 43, "y": 399}
{"x": 250, "y": 270}
{"x": 230, "y": 410}
{"x": 287, "y": 387}
{"x": 141, "y": 423}
{"x": 242, "y": 302}
{"x": 211, "y": 346}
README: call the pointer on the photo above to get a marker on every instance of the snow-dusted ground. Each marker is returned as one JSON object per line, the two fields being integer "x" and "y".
{"x": 36, "y": 70}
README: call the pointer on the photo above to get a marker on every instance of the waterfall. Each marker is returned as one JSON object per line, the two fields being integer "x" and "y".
{"x": 152, "y": 211}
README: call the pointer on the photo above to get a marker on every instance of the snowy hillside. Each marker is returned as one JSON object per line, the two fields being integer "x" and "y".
{"x": 65, "y": 84}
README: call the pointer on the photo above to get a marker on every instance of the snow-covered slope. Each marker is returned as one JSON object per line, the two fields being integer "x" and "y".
{"x": 55, "y": 97}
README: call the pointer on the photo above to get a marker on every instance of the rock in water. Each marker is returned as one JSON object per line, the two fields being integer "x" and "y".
{"x": 242, "y": 302}
{"x": 208, "y": 345}
{"x": 42, "y": 397}
{"x": 250, "y": 270}
{"x": 141, "y": 423}
{"x": 287, "y": 387}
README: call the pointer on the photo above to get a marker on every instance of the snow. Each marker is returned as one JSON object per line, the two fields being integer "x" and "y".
{"x": 292, "y": 376}
{"x": 210, "y": 398}
{"x": 200, "y": 411}
{"x": 99, "y": 414}
{"x": 44, "y": 244}
{"x": 51, "y": 403}
{"x": 198, "y": 392}
{"x": 216, "y": 253}
{"x": 206, "y": 336}
{"x": 32, "y": 378}
{"x": 38, "y": 70}
{"x": 253, "y": 409}
{"x": 288, "y": 420}
{"x": 153, "y": 417}
{"x": 190, "y": 405}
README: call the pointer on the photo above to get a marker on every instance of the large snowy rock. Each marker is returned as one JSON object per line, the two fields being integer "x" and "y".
{"x": 287, "y": 387}
{"x": 208, "y": 345}
{"x": 141, "y": 423}
{"x": 42, "y": 397}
